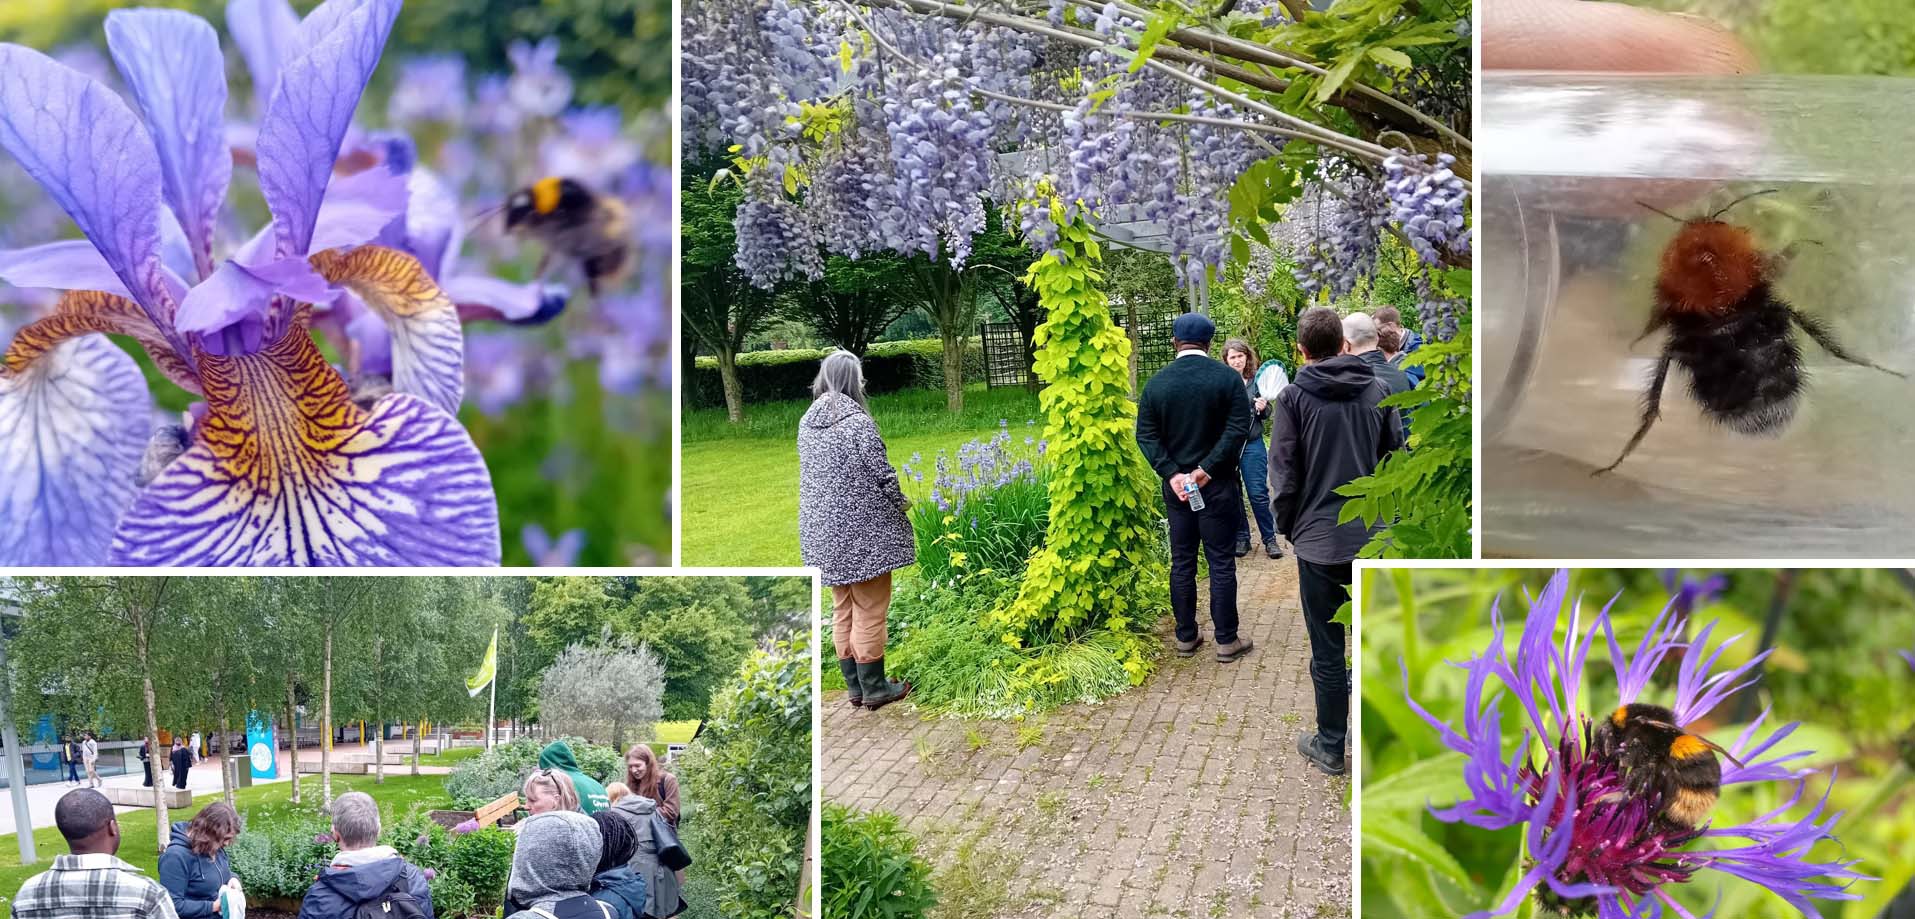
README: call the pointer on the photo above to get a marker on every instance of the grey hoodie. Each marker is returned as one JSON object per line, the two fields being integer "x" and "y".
{"x": 662, "y": 895}
{"x": 556, "y": 857}
{"x": 851, "y": 512}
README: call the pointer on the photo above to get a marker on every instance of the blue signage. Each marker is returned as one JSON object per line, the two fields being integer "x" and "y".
{"x": 45, "y": 735}
{"x": 262, "y": 751}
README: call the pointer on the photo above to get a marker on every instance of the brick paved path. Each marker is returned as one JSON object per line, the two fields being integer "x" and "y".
{"x": 1184, "y": 797}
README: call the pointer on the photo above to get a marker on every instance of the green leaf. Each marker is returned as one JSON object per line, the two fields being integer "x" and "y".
{"x": 1390, "y": 835}
{"x": 1437, "y": 781}
{"x": 1154, "y": 32}
{"x": 1390, "y": 57}
{"x": 1334, "y": 80}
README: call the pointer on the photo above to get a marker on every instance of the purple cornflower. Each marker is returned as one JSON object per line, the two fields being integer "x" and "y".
{"x": 1689, "y": 594}
{"x": 1593, "y": 848}
{"x": 283, "y": 466}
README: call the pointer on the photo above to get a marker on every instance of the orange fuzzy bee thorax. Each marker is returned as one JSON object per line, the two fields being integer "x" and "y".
{"x": 1708, "y": 268}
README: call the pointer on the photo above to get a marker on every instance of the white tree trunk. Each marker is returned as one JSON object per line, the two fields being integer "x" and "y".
{"x": 325, "y": 730}
{"x": 140, "y": 639}
{"x": 292, "y": 728}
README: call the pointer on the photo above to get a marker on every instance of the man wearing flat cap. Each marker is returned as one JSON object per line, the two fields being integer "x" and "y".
{"x": 1192, "y": 423}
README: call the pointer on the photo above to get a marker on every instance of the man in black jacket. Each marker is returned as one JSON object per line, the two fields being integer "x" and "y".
{"x": 1326, "y": 430}
{"x": 182, "y": 762}
{"x": 1192, "y": 422}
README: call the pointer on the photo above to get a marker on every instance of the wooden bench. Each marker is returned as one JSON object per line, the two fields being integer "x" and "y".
{"x": 504, "y": 805}
{"x": 143, "y": 797}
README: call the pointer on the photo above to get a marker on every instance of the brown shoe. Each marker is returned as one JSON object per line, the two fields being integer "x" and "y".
{"x": 1234, "y": 650}
{"x": 1186, "y": 648}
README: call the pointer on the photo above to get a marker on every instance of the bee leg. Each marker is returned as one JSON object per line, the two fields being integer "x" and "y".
{"x": 545, "y": 261}
{"x": 1656, "y": 321}
{"x": 1822, "y": 337}
{"x": 1651, "y": 410}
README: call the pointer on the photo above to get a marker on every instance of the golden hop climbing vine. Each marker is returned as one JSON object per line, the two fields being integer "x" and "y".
{"x": 1099, "y": 545}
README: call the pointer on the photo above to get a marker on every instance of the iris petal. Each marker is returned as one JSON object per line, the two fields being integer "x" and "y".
{"x": 310, "y": 110}
{"x": 77, "y": 422}
{"x": 172, "y": 64}
{"x": 428, "y": 350}
{"x": 486, "y": 297}
{"x": 70, "y": 264}
{"x": 286, "y": 470}
{"x": 267, "y": 33}
{"x": 88, "y": 150}
{"x": 83, "y": 312}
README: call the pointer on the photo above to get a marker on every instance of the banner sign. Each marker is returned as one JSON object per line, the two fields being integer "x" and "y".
{"x": 488, "y": 668}
{"x": 262, "y": 749}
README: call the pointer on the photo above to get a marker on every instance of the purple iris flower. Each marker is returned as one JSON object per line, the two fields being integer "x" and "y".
{"x": 430, "y": 88}
{"x": 1594, "y": 849}
{"x": 591, "y": 146}
{"x": 549, "y": 553}
{"x": 282, "y": 466}
{"x": 538, "y": 86}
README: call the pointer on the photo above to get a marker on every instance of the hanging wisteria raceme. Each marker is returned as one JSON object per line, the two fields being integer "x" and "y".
{"x": 774, "y": 243}
{"x": 903, "y": 125}
{"x": 1429, "y": 203}
{"x": 1351, "y": 212}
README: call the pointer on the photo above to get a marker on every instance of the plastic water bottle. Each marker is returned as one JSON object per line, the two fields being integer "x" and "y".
{"x": 1196, "y": 496}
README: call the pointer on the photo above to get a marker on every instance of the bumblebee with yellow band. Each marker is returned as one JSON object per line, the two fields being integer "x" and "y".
{"x": 1659, "y": 759}
{"x": 575, "y": 223}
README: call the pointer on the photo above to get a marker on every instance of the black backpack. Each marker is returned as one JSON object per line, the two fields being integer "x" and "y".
{"x": 579, "y": 907}
{"x": 396, "y": 903}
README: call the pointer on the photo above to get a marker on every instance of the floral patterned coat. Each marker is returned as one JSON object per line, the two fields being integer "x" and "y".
{"x": 852, "y": 516}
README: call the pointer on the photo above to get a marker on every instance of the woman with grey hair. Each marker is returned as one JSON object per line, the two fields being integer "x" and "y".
{"x": 853, "y": 523}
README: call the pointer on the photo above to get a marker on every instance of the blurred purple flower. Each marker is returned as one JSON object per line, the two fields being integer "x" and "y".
{"x": 431, "y": 873}
{"x": 1689, "y": 594}
{"x": 466, "y": 826}
{"x": 429, "y": 88}
{"x": 1908, "y": 656}
{"x": 1593, "y": 848}
{"x": 492, "y": 109}
{"x": 547, "y": 553}
{"x": 538, "y": 87}
{"x": 591, "y": 147}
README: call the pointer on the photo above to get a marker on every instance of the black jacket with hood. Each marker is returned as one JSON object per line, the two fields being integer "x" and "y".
{"x": 367, "y": 874}
{"x": 1326, "y": 431}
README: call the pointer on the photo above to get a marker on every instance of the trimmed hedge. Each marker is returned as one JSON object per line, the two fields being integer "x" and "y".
{"x": 775, "y": 376}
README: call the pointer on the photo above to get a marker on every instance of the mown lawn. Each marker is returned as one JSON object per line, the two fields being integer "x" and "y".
{"x": 139, "y": 844}
{"x": 739, "y": 483}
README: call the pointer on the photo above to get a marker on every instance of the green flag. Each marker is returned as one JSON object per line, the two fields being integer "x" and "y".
{"x": 488, "y": 668}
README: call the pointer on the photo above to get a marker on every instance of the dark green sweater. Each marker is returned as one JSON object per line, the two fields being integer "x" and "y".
{"x": 1193, "y": 413}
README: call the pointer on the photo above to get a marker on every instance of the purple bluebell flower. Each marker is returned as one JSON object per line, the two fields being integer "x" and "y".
{"x": 538, "y": 87}
{"x": 1594, "y": 848}
{"x": 430, "y": 88}
{"x": 281, "y": 466}
{"x": 549, "y": 553}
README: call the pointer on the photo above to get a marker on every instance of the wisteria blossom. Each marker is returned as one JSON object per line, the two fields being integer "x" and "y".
{"x": 280, "y": 464}
{"x": 1592, "y": 848}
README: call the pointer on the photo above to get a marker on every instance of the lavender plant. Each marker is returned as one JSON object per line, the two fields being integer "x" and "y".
{"x": 1593, "y": 846}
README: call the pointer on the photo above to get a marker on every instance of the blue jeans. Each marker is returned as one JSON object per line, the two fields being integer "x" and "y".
{"x": 1256, "y": 482}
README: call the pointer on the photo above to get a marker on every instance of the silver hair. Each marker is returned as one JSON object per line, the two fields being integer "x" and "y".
{"x": 355, "y": 820}
{"x": 840, "y": 372}
{"x": 1359, "y": 330}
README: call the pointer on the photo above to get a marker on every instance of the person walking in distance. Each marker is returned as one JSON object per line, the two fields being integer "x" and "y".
{"x": 70, "y": 758}
{"x": 182, "y": 759}
{"x": 1192, "y": 422}
{"x": 90, "y": 756}
{"x": 1327, "y": 430}
{"x": 146, "y": 761}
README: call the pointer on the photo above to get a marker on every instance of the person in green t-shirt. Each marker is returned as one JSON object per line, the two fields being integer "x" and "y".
{"x": 591, "y": 795}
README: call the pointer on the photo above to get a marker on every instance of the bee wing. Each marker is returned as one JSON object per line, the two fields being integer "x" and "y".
{"x": 1704, "y": 740}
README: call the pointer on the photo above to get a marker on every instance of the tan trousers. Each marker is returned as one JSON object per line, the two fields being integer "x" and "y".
{"x": 857, "y": 618}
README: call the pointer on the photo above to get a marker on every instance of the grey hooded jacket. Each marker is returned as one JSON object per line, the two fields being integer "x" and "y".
{"x": 852, "y": 522}
{"x": 556, "y": 857}
{"x": 662, "y": 895}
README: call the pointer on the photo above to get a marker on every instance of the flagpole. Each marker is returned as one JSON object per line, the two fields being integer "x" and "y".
{"x": 491, "y": 707}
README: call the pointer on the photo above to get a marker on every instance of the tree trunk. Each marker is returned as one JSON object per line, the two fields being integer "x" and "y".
{"x": 953, "y": 367}
{"x": 419, "y": 740}
{"x": 734, "y": 389}
{"x": 325, "y": 728}
{"x": 379, "y": 716}
{"x": 141, "y": 645}
{"x": 292, "y": 734}
{"x": 226, "y": 776}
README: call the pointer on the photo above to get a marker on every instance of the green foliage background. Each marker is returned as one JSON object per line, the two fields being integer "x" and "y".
{"x": 1834, "y": 669}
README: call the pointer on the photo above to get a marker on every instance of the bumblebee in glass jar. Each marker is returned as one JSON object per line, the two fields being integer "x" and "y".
{"x": 575, "y": 223}
{"x": 1728, "y": 330}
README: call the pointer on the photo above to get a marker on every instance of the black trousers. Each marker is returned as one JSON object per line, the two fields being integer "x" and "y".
{"x": 1325, "y": 588}
{"x": 149, "y": 772}
{"x": 1215, "y": 529}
